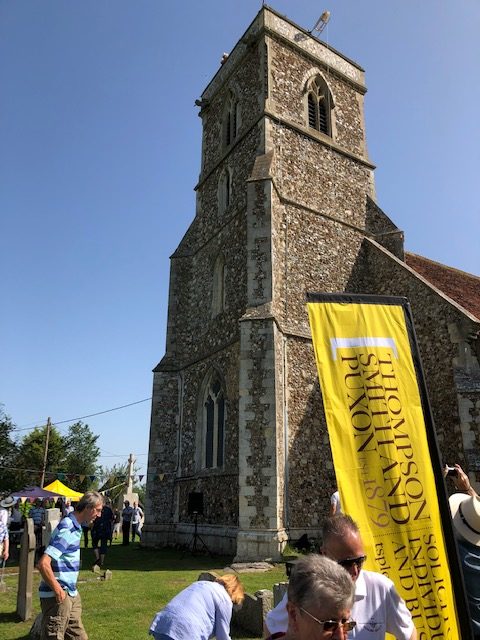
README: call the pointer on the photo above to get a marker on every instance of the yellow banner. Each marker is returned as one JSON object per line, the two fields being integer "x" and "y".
{"x": 380, "y": 451}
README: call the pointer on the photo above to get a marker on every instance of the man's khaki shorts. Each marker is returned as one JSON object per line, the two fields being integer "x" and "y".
{"x": 60, "y": 621}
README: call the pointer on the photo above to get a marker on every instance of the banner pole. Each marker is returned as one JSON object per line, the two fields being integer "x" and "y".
{"x": 456, "y": 572}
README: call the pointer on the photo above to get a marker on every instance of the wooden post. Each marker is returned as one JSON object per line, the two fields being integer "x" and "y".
{"x": 25, "y": 578}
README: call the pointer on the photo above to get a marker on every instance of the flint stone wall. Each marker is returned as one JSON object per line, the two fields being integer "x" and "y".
{"x": 301, "y": 219}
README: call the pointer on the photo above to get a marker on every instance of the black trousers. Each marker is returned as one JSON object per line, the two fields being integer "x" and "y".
{"x": 125, "y": 531}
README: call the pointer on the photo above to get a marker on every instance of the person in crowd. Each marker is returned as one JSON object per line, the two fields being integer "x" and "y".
{"x": 59, "y": 566}
{"x": 4, "y": 542}
{"x": 460, "y": 479}
{"x": 137, "y": 516}
{"x": 16, "y": 518}
{"x": 465, "y": 510}
{"x": 377, "y": 607}
{"x": 335, "y": 506}
{"x": 68, "y": 507}
{"x": 37, "y": 514}
{"x": 60, "y": 504}
{"x": 117, "y": 525}
{"x": 319, "y": 600}
{"x": 202, "y": 610}
{"x": 101, "y": 532}
{"x": 5, "y": 504}
{"x": 127, "y": 513}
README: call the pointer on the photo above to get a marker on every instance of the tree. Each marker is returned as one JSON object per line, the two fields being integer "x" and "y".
{"x": 74, "y": 454}
{"x": 81, "y": 455}
{"x": 31, "y": 453}
{"x": 115, "y": 482}
{"x": 8, "y": 453}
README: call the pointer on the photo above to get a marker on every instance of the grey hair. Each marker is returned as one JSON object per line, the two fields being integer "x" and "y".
{"x": 338, "y": 526}
{"x": 89, "y": 500}
{"x": 317, "y": 579}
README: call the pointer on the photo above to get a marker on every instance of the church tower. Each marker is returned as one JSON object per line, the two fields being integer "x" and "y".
{"x": 285, "y": 203}
{"x": 281, "y": 209}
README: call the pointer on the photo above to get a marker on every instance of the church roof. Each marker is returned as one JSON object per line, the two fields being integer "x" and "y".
{"x": 462, "y": 287}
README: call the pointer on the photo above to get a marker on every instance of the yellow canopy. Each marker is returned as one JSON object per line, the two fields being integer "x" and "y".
{"x": 62, "y": 490}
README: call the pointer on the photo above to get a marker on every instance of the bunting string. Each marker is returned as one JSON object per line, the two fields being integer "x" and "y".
{"x": 54, "y": 475}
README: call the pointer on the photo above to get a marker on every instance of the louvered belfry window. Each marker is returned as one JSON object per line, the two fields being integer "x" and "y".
{"x": 312, "y": 111}
{"x": 322, "y": 117}
{"x": 319, "y": 106}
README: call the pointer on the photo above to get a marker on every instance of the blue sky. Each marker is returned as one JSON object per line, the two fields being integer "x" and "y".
{"x": 99, "y": 154}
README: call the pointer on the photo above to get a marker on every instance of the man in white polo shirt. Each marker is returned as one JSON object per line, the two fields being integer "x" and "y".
{"x": 377, "y": 608}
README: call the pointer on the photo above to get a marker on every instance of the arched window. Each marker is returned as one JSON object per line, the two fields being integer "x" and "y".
{"x": 319, "y": 106}
{"x": 231, "y": 118}
{"x": 213, "y": 424}
{"x": 218, "y": 286}
{"x": 224, "y": 193}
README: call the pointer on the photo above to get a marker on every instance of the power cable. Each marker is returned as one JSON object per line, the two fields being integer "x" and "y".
{"x": 90, "y": 415}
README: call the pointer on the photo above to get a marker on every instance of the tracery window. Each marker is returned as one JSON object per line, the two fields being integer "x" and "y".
{"x": 213, "y": 425}
{"x": 224, "y": 194}
{"x": 319, "y": 106}
{"x": 230, "y": 120}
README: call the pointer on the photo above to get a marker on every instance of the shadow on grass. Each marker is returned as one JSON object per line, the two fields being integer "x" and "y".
{"x": 10, "y": 616}
{"x": 136, "y": 558}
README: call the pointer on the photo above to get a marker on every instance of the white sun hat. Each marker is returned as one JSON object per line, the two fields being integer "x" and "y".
{"x": 466, "y": 516}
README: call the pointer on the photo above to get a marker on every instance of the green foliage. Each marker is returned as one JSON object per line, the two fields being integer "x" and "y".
{"x": 25, "y": 508}
{"x": 80, "y": 454}
{"x": 31, "y": 453}
{"x": 141, "y": 490}
{"x": 115, "y": 481}
{"x": 290, "y": 552}
{"x": 74, "y": 454}
{"x": 8, "y": 453}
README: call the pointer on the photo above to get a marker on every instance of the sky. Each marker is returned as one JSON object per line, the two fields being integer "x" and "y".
{"x": 100, "y": 146}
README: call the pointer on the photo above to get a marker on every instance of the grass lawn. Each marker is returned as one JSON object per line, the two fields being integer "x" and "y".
{"x": 144, "y": 580}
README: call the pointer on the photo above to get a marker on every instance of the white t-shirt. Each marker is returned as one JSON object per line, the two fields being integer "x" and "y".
{"x": 335, "y": 502}
{"x": 383, "y": 611}
{"x": 137, "y": 515}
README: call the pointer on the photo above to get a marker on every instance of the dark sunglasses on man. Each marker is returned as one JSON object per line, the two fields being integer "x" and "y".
{"x": 332, "y": 625}
{"x": 349, "y": 562}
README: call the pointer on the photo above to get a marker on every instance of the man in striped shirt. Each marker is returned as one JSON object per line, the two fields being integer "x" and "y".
{"x": 59, "y": 567}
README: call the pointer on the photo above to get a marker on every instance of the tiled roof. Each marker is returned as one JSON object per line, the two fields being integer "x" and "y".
{"x": 458, "y": 285}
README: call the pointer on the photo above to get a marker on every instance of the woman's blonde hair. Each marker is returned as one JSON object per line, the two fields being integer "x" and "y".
{"x": 233, "y": 587}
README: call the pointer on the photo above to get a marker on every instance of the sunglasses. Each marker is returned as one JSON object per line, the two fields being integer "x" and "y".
{"x": 332, "y": 625}
{"x": 349, "y": 562}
